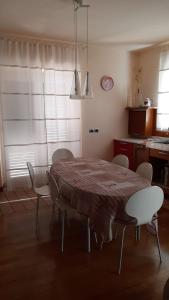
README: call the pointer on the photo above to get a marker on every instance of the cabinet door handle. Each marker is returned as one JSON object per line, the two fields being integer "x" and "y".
{"x": 123, "y": 143}
{"x": 140, "y": 147}
{"x": 123, "y": 149}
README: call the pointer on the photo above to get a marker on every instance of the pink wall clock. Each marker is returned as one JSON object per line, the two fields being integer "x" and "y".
{"x": 107, "y": 83}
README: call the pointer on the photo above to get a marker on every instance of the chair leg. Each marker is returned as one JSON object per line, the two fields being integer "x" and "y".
{"x": 95, "y": 237}
{"x": 67, "y": 219}
{"x": 158, "y": 242}
{"x": 59, "y": 215}
{"x": 115, "y": 232}
{"x": 88, "y": 236}
{"x": 63, "y": 231}
{"x": 37, "y": 217}
{"x": 53, "y": 213}
{"x": 121, "y": 250}
{"x": 138, "y": 233}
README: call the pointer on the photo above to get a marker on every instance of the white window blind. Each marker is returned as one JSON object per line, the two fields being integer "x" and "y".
{"x": 163, "y": 92}
{"x": 38, "y": 117}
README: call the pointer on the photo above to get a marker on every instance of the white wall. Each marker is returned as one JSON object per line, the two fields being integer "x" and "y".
{"x": 148, "y": 62}
{"x": 107, "y": 110}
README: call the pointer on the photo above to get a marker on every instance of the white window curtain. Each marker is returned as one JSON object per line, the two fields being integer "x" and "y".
{"x": 163, "y": 91}
{"x": 37, "y": 115}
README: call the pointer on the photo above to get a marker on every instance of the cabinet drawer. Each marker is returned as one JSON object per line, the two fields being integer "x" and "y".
{"x": 123, "y": 146}
{"x": 126, "y": 148}
{"x": 159, "y": 154}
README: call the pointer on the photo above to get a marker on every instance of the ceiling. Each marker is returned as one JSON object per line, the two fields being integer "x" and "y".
{"x": 110, "y": 21}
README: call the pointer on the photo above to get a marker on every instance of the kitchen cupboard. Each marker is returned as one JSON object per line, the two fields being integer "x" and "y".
{"x": 160, "y": 161}
{"x": 141, "y": 154}
{"x": 121, "y": 147}
{"x": 136, "y": 153}
{"x": 141, "y": 122}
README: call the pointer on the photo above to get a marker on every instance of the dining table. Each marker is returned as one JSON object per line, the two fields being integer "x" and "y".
{"x": 98, "y": 189}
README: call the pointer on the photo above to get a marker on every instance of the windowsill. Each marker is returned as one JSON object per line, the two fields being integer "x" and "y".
{"x": 161, "y": 133}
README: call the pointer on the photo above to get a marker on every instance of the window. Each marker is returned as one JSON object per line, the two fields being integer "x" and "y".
{"x": 163, "y": 93}
{"x": 38, "y": 117}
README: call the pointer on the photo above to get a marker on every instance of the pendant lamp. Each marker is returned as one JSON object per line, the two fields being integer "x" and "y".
{"x": 87, "y": 89}
{"x": 76, "y": 92}
{"x": 76, "y": 86}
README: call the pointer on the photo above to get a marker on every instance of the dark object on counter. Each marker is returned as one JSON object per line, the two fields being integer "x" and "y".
{"x": 148, "y": 102}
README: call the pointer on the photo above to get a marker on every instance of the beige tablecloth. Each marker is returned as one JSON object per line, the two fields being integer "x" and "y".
{"x": 98, "y": 189}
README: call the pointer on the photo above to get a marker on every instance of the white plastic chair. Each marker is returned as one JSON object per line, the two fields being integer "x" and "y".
{"x": 121, "y": 160}
{"x": 62, "y": 153}
{"x": 145, "y": 170}
{"x": 41, "y": 192}
{"x": 63, "y": 206}
{"x": 141, "y": 207}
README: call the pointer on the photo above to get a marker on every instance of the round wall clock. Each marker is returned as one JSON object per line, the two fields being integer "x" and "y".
{"x": 107, "y": 83}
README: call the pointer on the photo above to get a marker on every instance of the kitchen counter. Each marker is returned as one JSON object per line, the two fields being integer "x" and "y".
{"x": 155, "y": 150}
{"x": 149, "y": 143}
{"x": 132, "y": 140}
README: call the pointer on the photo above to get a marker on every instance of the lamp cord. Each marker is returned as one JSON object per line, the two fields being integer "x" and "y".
{"x": 75, "y": 32}
{"x": 87, "y": 38}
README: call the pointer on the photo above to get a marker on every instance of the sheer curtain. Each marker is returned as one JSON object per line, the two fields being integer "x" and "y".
{"x": 37, "y": 115}
{"x": 163, "y": 91}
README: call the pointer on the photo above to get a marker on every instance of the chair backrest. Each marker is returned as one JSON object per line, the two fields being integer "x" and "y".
{"x": 62, "y": 153}
{"x": 121, "y": 160}
{"x": 31, "y": 174}
{"x": 145, "y": 170}
{"x": 53, "y": 186}
{"x": 144, "y": 204}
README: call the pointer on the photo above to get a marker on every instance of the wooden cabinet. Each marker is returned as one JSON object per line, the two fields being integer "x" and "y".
{"x": 159, "y": 159}
{"x": 126, "y": 148}
{"x": 141, "y": 121}
{"x": 136, "y": 153}
{"x": 159, "y": 154}
{"x": 141, "y": 154}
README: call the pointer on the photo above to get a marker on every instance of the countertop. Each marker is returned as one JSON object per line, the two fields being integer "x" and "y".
{"x": 149, "y": 143}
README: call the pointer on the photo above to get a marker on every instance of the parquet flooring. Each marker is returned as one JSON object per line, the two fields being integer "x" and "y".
{"x": 35, "y": 269}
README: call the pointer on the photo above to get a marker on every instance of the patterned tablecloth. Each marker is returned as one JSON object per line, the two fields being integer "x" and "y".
{"x": 99, "y": 189}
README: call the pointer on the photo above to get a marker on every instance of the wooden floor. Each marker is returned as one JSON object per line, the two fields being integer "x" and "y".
{"x": 35, "y": 269}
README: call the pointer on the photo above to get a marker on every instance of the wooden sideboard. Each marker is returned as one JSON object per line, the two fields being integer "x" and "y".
{"x": 141, "y": 121}
{"x": 138, "y": 152}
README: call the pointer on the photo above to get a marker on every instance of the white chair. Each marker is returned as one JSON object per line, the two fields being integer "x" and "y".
{"x": 41, "y": 192}
{"x": 121, "y": 160}
{"x": 145, "y": 170}
{"x": 63, "y": 206}
{"x": 141, "y": 207}
{"x": 62, "y": 153}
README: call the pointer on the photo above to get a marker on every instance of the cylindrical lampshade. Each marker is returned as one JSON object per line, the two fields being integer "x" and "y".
{"x": 76, "y": 86}
{"x": 87, "y": 89}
